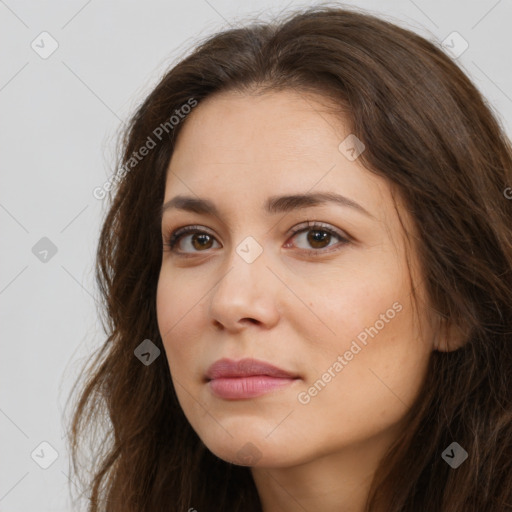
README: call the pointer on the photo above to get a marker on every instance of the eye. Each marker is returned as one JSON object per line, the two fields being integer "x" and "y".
{"x": 199, "y": 240}
{"x": 318, "y": 236}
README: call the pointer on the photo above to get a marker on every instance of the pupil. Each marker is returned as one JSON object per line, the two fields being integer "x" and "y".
{"x": 203, "y": 238}
{"x": 318, "y": 237}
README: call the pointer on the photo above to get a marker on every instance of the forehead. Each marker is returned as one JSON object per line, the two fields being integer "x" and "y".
{"x": 284, "y": 136}
{"x": 264, "y": 127}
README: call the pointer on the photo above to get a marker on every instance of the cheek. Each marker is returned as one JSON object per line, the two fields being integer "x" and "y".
{"x": 180, "y": 298}
{"x": 166, "y": 306}
{"x": 384, "y": 355}
{"x": 348, "y": 306}
{"x": 375, "y": 383}
{"x": 178, "y": 311}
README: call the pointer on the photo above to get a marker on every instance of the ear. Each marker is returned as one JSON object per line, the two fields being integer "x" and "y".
{"x": 450, "y": 335}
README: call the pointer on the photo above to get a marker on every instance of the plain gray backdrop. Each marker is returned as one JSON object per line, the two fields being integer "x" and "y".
{"x": 61, "y": 113}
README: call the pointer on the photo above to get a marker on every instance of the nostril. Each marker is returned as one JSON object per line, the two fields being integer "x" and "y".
{"x": 250, "y": 320}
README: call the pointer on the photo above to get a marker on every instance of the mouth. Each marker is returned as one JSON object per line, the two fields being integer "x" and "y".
{"x": 247, "y": 378}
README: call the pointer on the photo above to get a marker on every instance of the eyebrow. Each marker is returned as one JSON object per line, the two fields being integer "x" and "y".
{"x": 273, "y": 205}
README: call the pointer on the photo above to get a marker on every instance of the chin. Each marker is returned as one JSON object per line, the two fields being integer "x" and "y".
{"x": 246, "y": 448}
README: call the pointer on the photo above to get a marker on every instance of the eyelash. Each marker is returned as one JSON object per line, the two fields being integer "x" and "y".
{"x": 174, "y": 237}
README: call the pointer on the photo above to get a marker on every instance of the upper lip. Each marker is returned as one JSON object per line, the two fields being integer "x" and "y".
{"x": 244, "y": 368}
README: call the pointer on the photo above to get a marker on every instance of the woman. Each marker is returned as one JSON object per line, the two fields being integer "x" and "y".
{"x": 306, "y": 269}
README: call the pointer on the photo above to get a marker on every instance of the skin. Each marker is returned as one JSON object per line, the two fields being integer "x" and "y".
{"x": 294, "y": 310}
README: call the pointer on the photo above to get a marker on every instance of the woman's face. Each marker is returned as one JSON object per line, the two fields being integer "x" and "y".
{"x": 331, "y": 305}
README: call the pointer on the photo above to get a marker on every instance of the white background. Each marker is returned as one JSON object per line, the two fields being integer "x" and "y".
{"x": 60, "y": 117}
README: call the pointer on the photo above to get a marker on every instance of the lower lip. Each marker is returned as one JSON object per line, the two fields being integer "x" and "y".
{"x": 247, "y": 387}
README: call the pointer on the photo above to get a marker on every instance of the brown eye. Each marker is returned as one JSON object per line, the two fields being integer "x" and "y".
{"x": 201, "y": 241}
{"x": 197, "y": 239}
{"x": 318, "y": 237}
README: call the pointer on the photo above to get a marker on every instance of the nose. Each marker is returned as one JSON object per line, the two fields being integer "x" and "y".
{"x": 246, "y": 294}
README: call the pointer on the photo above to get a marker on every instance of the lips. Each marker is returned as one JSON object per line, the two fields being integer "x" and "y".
{"x": 246, "y": 379}
{"x": 227, "y": 368}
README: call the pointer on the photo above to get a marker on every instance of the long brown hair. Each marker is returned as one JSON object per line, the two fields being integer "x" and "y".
{"x": 426, "y": 129}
